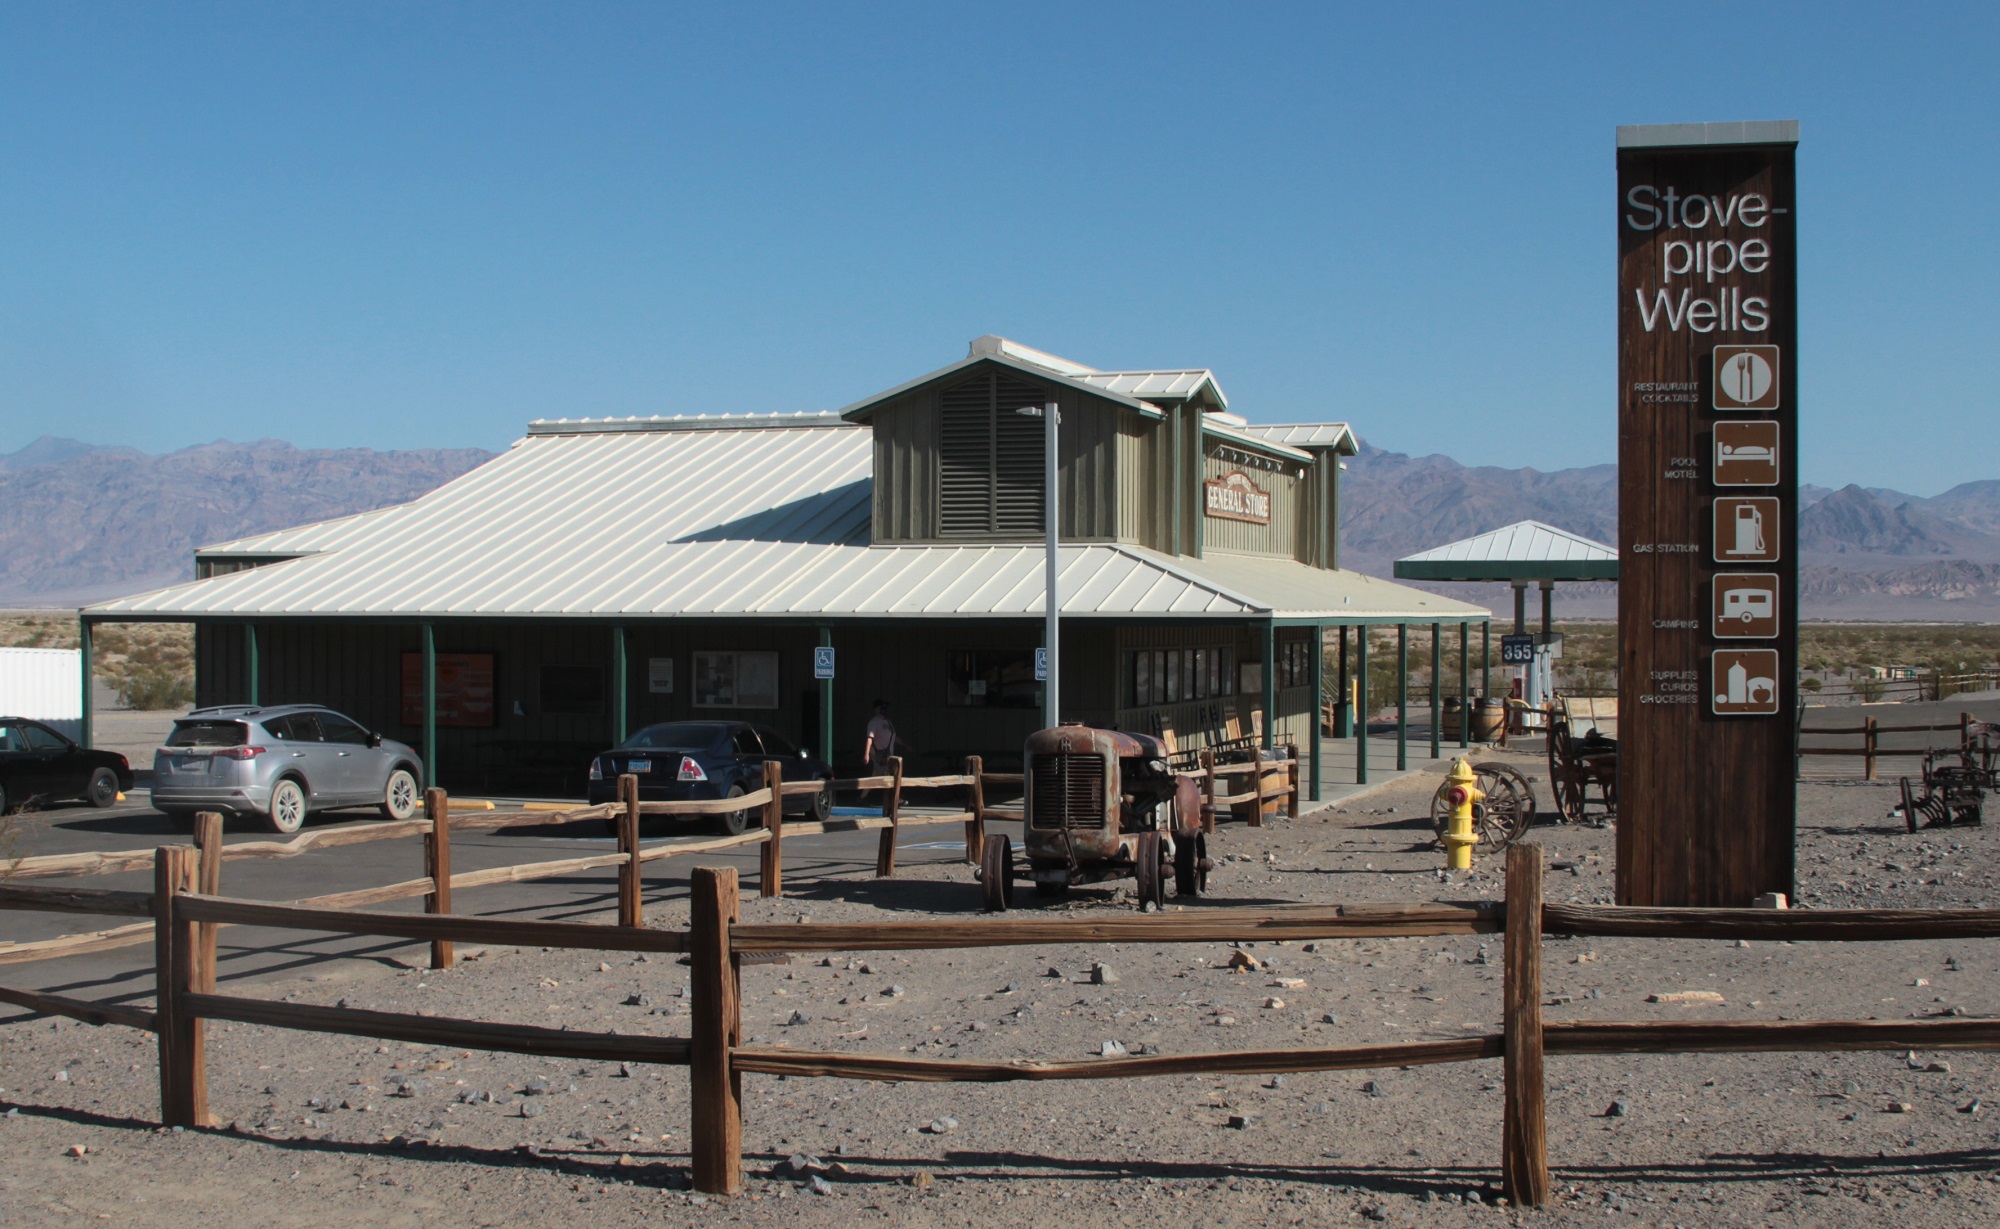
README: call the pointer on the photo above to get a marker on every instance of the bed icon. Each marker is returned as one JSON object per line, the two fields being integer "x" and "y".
{"x": 1746, "y": 454}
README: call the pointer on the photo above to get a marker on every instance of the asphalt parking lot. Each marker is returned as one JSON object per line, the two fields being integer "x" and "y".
{"x": 828, "y": 861}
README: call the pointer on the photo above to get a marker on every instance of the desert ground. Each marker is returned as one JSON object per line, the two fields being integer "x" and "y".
{"x": 331, "y": 1131}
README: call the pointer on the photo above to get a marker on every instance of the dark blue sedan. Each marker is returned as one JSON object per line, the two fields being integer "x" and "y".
{"x": 677, "y": 761}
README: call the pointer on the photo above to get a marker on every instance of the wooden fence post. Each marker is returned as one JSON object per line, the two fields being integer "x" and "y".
{"x": 183, "y": 1066}
{"x": 1208, "y": 789}
{"x": 208, "y": 881}
{"x": 437, "y": 864}
{"x": 715, "y": 1089}
{"x": 1868, "y": 760}
{"x": 1524, "y": 1161}
{"x": 771, "y": 858}
{"x": 975, "y": 828}
{"x": 885, "y": 853}
{"x": 631, "y": 911}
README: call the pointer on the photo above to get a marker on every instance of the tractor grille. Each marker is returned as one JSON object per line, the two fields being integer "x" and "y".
{"x": 1069, "y": 791}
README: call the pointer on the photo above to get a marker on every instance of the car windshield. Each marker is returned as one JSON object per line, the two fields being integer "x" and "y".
{"x": 208, "y": 734}
{"x": 675, "y": 736}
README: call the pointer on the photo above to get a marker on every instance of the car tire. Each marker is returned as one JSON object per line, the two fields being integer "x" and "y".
{"x": 6, "y": 803}
{"x": 822, "y": 802}
{"x": 288, "y": 807}
{"x": 399, "y": 795}
{"x": 102, "y": 789}
{"x": 732, "y": 823}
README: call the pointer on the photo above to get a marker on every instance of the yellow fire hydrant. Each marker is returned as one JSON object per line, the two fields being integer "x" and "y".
{"x": 1459, "y": 837}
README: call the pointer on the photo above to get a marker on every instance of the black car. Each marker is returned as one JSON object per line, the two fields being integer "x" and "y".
{"x": 39, "y": 765}
{"x": 677, "y": 761}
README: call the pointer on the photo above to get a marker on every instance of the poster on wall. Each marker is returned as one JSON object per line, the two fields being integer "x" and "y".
{"x": 736, "y": 680}
{"x": 464, "y": 690}
{"x": 660, "y": 676}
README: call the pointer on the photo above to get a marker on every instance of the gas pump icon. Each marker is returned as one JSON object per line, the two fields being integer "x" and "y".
{"x": 1746, "y": 529}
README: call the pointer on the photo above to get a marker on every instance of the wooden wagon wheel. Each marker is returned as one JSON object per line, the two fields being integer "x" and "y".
{"x": 1506, "y": 812}
{"x": 1566, "y": 783}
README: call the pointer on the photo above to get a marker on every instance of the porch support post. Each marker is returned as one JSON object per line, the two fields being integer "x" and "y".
{"x": 620, "y": 687}
{"x": 83, "y": 656}
{"x": 1402, "y": 697}
{"x": 1314, "y": 740}
{"x": 826, "y": 706}
{"x": 1437, "y": 688}
{"x": 1341, "y": 704}
{"x": 251, "y": 663}
{"x": 1486, "y": 659}
{"x": 1361, "y": 705}
{"x": 1464, "y": 685}
{"x": 430, "y": 706}
{"x": 1270, "y": 683}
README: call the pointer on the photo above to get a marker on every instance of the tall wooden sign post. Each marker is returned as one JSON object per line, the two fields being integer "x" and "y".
{"x": 1707, "y": 511}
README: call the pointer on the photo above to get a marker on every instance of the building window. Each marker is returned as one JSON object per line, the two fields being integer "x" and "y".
{"x": 990, "y": 459}
{"x": 1295, "y": 664}
{"x": 1175, "y": 676}
{"x": 992, "y": 678}
{"x": 736, "y": 680}
{"x": 573, "y": 690}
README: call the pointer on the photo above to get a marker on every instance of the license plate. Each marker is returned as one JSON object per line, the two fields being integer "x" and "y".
{"x": 639, "y": 766}
{"x": 190, "y": 763}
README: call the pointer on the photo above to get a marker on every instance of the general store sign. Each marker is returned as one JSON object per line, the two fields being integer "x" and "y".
{"x": 1233, "y": 497}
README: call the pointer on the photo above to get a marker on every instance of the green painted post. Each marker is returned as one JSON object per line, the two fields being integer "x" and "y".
{"x": 1486, "y": 659}
{"x": 1314, "y": 741}
{"x": 250, "y": 651}
{"x": 1270, "y": 685}
{"x": 83, "y": 653}
{"x": 1361, "y": 705}
{"x": 1464, "y": 685}
{"x": 826, "y": 705}
{"x": 1402, "y": 697}
{"x": 620, "y": 684}
{"x": 1437, "y": 689}
{"x": 430, "y": 707}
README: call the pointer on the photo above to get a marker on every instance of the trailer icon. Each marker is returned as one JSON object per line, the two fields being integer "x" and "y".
{"x": 1746, "y": 606}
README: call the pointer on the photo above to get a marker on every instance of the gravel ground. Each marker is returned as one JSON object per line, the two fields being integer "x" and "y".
{"x": 331, "y": 1131}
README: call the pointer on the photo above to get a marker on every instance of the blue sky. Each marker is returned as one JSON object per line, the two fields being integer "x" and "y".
{"x": 423, "y": 225}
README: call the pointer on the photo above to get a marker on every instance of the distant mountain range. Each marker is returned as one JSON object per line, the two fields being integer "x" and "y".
{"x": 82, "y": 522}
{"x": 1865, "y": 553}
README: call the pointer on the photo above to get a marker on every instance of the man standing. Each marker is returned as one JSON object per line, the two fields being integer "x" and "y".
{"x": 881, "y": 742}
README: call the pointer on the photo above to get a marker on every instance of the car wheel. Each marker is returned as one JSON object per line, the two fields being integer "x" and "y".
{"x": 822, "y": 802}
{"x": 732, "y": 823}
{"x": 288, "y": 807}
{"x": 102, "y": 790}
{"x": 6, "y": 803}
{"x": 399, "y": 797}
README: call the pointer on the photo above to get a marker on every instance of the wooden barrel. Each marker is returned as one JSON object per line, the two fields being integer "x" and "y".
{"x": 1488, "y": 720}
{"x": 1449, "y": 721}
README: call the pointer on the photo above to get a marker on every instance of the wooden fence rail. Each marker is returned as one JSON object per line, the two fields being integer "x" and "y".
{"x": 1870, "y": 731}
{"x": 187, "y": 911}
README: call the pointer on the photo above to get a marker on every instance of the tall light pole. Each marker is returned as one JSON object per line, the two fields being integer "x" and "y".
{"x": 1052, "y": 528}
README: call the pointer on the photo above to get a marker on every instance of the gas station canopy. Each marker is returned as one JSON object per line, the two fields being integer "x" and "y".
{"x": 1521, "y": 552}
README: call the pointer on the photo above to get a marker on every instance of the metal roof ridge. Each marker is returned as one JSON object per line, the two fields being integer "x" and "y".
{"x": 749, "y": 421}
{"x": 1005, "y": 360}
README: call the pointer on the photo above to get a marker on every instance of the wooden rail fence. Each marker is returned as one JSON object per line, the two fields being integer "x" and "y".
{"x": 187, "y": 911}
{"x": 1870, "y": 731}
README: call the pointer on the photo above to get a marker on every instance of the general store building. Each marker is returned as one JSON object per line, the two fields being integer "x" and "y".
{"x": 603, "y": 574}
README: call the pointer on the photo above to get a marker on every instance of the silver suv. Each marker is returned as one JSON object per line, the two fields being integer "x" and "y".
{"x": 281, "y": 762}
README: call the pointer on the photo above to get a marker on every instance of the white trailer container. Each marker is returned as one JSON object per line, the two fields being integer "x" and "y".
{"x": 45, "y": 685}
